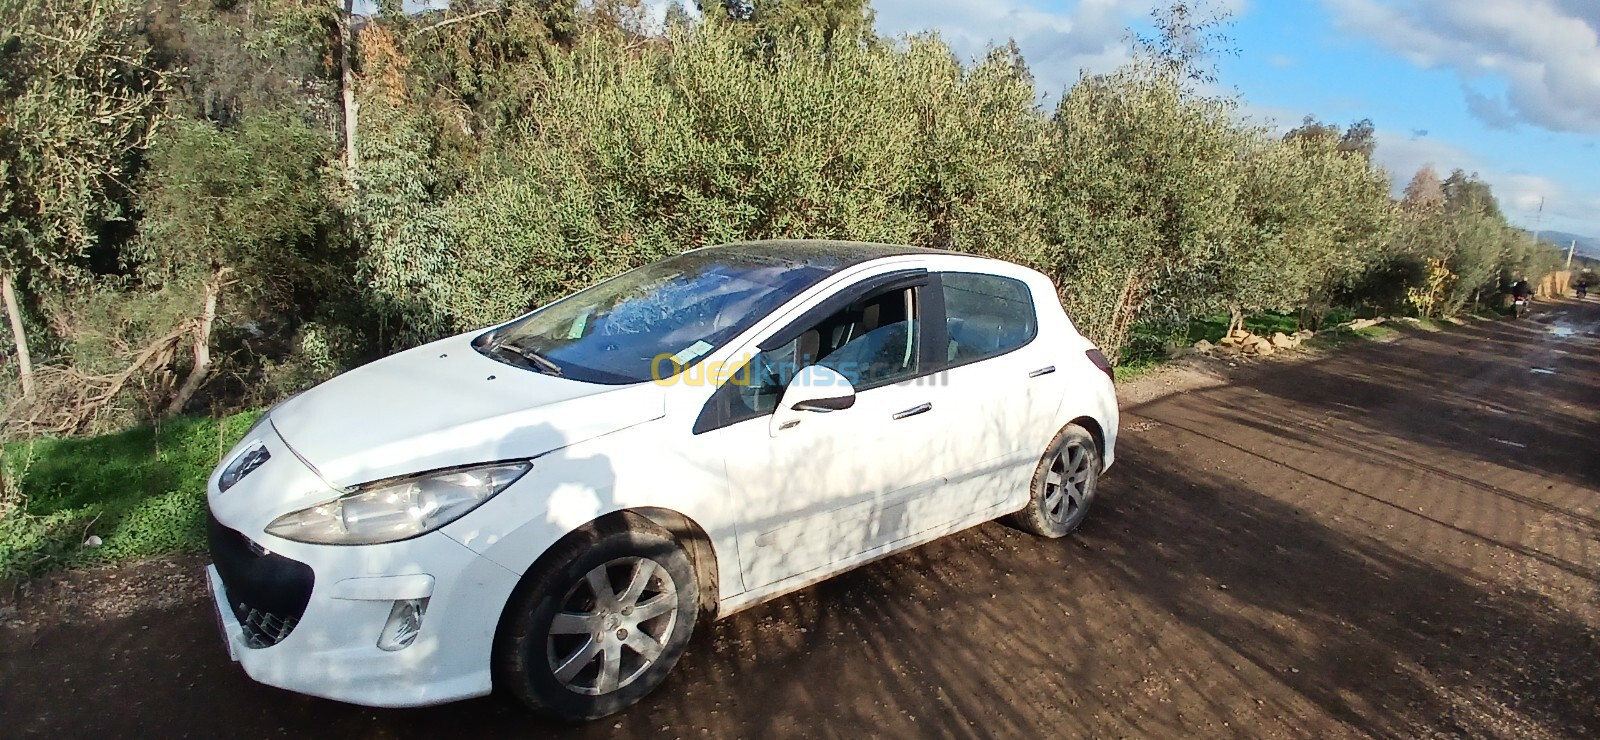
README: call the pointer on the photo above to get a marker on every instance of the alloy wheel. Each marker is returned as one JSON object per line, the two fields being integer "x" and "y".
{"x": 1066, "y": 485}
{"x": 605, "y": 637}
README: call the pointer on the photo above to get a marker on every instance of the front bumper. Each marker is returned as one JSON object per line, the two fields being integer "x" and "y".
{"x": 332, "y": 650}
{"x": 308, "y": 618}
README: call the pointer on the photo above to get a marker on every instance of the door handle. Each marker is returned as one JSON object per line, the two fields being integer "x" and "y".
{"x": 914, "y": 410}
{"x": 1042, "y": 371}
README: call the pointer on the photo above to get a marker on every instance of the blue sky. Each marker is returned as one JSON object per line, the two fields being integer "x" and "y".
{"x": 1506, "y": 88}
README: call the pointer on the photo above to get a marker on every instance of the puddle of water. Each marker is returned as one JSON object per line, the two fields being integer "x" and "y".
{"x": 1541, "y": 371}
{"x": 1563, "y": 331}
{"x": 1508, "y": 442}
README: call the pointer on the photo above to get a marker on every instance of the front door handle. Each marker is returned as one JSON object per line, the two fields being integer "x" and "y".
{"x": 1042, "y": 371}
{"x": 914, "y": 410}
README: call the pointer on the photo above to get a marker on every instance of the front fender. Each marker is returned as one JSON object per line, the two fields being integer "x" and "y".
{"x": 576, "y": 485}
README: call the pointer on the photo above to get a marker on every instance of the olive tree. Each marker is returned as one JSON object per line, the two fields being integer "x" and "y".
{"x": 1142, "y": 182}
{"x": 77, "y": 102}
{"x": 233, "y": 212}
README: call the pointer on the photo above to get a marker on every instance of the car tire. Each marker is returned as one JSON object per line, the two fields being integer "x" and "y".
{"x": 569, "y": 649}
{"x": 1062, "y": 489}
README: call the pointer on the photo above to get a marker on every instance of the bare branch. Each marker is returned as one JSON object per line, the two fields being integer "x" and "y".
{"x": 443, "y": 23}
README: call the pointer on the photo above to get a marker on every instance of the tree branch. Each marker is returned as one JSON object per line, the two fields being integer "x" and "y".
{"x": 443, "y": 23}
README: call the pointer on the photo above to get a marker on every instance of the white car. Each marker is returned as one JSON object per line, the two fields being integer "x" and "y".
{"x": 550, "y": 506}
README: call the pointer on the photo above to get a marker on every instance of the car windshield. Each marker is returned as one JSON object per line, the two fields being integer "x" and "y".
{"x": 651, "y": 322}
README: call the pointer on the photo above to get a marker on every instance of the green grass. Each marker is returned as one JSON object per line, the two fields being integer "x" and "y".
{"x": 1134, "y": 370}
{"x": 1213, "y": 328}
{"x": 1152, "y": 344}
{"x": 141, "y": 491}
{"x": 1339, "y": 336}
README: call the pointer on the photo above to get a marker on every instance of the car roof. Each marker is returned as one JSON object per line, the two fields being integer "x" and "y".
{"x": 828, "y": 254}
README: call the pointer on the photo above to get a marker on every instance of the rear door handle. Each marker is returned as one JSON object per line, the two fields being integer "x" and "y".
{"x": 1042, "y": 371}
{"x": 914, "y": 410}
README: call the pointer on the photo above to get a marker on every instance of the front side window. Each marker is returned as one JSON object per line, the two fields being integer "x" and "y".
{"x": 872, "y": 342}
{"x": 649, "y": 323}
{"x": 986, "y": 315}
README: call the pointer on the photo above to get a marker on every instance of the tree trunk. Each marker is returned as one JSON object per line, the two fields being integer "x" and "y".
{"x": 24, "y": 360}
{"x": 347, "y": 84}
{"x": 202, "y": 347}
{"x": 1122, "y": 316}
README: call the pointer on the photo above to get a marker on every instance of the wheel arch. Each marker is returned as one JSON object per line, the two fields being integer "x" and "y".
{"x": 689, "y": 534}
{"x": 1095, "y": 430}
{"x": 696, "y": 543}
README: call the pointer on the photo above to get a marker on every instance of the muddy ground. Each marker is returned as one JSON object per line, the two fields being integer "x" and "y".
{"x": 1396, "y": 539}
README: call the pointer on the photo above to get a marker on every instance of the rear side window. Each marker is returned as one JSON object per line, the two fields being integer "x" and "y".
{"x": 986, "y": 315}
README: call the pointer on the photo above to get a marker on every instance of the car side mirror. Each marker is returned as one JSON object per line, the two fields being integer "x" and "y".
{"x": 814, "y": 390}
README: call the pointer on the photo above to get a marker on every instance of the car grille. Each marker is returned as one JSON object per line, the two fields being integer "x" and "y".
{"x": 263, "y": 629}
{"x": 267, "y": 592}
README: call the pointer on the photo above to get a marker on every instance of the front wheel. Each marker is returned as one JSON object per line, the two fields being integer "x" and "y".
{"x": 600, "y": 624}
{"x": 1063, "y": 485}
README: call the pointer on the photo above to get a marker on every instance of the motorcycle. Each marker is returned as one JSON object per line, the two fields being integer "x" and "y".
{"x": 1520, "y": 306}
{"x": 1583, "y": 291}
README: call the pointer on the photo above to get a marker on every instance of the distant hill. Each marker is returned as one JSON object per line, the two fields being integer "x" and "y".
{"x": 1588, "y": 246}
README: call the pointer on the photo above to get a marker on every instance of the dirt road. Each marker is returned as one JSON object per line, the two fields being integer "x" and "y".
{"x": 1399, "y": 539}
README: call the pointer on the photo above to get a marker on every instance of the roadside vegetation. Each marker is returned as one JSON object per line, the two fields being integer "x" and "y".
{"x": 207, "y": 205}
{"x": 138, "y": 492}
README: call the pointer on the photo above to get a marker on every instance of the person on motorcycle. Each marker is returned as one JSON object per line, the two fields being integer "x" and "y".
{"x": 1521, "y": 293}
{"x": 1583, "y": 288}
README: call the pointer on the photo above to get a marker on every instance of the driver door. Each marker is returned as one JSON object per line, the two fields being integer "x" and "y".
{"x": 818, "y": 487}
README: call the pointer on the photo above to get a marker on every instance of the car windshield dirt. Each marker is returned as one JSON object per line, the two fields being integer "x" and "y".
{"x": 651, "y": 322}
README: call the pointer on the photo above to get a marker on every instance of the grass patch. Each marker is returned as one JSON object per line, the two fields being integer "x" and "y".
{"x": 1134, "y": 370}
{"x": 1213, "y": 328}
{"x": 142, "y": 491}
{"x": 1377, "y": 333}
{"x": 1339, "y": 336}
{"x": 1421, "y": 324}
{"x": 1150, "y": 344}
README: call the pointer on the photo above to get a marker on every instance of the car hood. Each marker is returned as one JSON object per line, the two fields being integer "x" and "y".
{"x": 443, "y": 405}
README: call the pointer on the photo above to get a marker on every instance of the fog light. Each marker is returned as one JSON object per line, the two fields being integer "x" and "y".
{"x": 405, "y": 623}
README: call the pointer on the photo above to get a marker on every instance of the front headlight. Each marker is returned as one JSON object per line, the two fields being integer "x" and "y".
{"x": 396, "y": 509}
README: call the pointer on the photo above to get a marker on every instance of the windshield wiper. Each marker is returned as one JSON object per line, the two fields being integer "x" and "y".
{"x": 529, "y": 355}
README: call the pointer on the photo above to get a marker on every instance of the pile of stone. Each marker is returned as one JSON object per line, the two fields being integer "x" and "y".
{"x": 1241, "y": 341}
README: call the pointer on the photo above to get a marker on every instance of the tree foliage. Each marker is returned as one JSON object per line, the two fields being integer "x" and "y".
{"x": 250, "y": 199}
{"x": 176, "y": 165}
{"x": 77, "y": 102}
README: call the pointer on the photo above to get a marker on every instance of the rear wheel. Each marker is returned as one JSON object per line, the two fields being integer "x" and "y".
{"x": 1063, "y": 485}
{"x": 601, "y": 624}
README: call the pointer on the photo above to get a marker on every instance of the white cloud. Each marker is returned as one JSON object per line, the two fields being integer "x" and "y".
{"x": 1058, "y": 45}
{"x": 1520, "y": 193}
{"x": 1547, "y": 52}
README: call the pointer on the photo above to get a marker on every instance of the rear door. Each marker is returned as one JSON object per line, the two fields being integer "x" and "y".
{"x": 1003, "y": 389}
